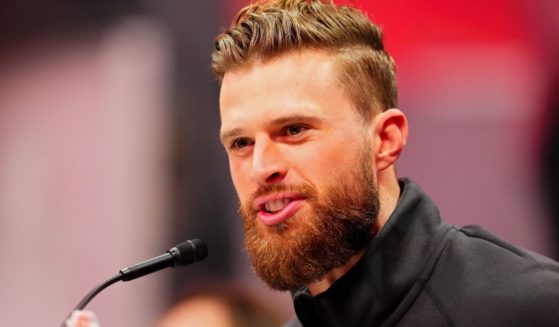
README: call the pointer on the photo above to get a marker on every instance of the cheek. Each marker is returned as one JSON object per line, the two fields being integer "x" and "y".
{"x": 335, "y": 163}
{"x": 327, "y": 161}
{"x": 240, "y": 177}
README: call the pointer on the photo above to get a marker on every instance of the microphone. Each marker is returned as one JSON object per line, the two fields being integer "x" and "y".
{"x": 183, "y": 254}
{"x": 186, "y": 253}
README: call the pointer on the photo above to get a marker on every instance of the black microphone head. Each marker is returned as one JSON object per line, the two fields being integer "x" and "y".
{"x": 189, "y": 252}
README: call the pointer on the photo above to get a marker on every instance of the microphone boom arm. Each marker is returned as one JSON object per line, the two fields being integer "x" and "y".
{"x": 97, "y": 290}
{"x": 186, "y": 253}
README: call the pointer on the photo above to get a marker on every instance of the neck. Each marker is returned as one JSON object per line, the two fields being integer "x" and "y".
{"x": 388, "y": 193}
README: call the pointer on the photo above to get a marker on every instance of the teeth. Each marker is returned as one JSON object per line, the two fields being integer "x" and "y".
{"x": 276, "y": 205}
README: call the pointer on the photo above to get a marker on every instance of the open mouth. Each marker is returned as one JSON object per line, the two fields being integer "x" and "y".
{"x": 276, "y": 205}
{"x": 274, "y": 209}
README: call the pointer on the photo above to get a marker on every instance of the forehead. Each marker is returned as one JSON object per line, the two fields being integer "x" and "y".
{"x": 294, "y": 81}
{"x": 297, "y": 68}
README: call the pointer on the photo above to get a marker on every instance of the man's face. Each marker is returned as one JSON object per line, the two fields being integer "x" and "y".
{"x": 301, "y": 160}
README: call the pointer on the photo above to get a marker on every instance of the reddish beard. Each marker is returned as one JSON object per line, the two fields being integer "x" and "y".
{"x": 322, "y": 235}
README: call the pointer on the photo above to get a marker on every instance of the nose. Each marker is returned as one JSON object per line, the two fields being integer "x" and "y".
{"x": 268, "y": 164}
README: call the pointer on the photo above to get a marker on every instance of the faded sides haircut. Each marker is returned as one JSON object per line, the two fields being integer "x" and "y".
{"x": 267, "y": 29}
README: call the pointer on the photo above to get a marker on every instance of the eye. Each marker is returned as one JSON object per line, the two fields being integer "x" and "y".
{"x": 294, "y": 130}
{"x": 240, "y": 143}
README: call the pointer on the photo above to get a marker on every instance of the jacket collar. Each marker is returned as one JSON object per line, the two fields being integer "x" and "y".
{"x": 372, "y": 290}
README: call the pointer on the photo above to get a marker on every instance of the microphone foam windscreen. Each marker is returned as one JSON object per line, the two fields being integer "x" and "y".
{"x": 191, "y": 251}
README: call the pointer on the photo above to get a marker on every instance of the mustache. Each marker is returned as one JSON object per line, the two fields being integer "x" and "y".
{"x": 304, "y": 189}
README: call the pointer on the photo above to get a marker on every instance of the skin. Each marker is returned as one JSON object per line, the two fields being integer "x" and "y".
{"x": 289, "y": 121}
{"x": 198, "y": 312}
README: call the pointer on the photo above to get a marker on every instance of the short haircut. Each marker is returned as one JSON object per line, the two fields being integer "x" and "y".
{"x": 267, "y": 29}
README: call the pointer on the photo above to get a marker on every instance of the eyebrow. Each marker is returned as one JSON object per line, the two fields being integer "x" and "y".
{"x": 230, "y": 134}
{"x": 295, "y": 118}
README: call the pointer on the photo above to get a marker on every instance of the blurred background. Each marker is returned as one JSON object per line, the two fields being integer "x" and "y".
{"x": 109, "y": 149}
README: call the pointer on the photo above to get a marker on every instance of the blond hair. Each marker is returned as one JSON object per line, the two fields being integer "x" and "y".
{"x": 269, "y": 28}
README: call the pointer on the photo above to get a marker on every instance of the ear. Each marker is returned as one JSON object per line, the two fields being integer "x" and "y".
{"x": 391, "y": 134}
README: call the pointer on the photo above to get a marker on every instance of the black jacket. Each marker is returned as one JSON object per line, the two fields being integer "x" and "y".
{"x": 420, "y": 271}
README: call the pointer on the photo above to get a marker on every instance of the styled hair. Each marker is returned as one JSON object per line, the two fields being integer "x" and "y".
{"x": 268, "y": 29}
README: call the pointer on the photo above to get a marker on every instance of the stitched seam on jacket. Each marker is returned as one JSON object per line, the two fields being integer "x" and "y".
{"x": 438, "y": 305}
{"x": 422, "y": 280}
{"x": 497, "y": 242}
{"x": 511, "y": 248}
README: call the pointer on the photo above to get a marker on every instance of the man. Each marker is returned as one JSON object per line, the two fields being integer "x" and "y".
{"x": 308, "y": 100}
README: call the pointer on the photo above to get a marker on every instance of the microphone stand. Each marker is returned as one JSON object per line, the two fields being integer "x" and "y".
{"x": 183, "y": 254}
{"x": 89, "y": 296}
{"x": 97, "y": 290}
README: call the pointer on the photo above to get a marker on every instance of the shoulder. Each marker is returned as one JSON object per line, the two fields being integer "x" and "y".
{"x": 483, "y": 247}
{"x": 482, "y": 277}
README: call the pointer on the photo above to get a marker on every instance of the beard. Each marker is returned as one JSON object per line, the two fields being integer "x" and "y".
{"x": 305, "y": 247}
